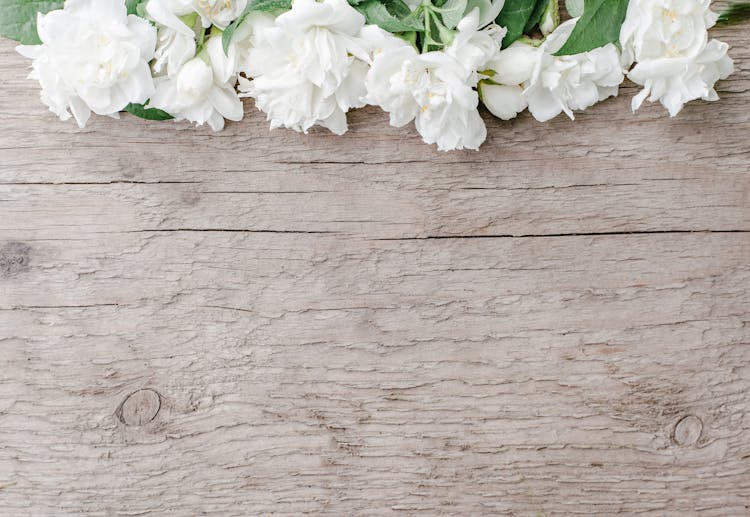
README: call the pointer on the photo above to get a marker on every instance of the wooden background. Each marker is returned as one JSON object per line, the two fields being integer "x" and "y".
{"x": 256, "y": 323}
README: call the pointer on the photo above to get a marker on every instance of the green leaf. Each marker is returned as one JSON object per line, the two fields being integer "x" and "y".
{"x": 397, "y": 8}
{"x": 391, "y": 15}
{"x": 735, "y": 13}
{"x": 600, "y": 24}
{"x": 536, "y": 15}
{"x": 265, "y": 6}
{"x": 514, "y": 17}
{"x": 452, "y": 12}
{"x": 132, "y": 5}
{"x": 228, "y": 34}
{"x": 140, "y": 110}
{"x": 254, "y": 5}
{"x": 18, "y": 18}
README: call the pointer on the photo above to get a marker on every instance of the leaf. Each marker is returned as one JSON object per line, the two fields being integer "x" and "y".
{"x": 574, "y": 7}
{"x": 397, "y": 8}
{"x": 132, "y": 6}
{"x": 735, "y": 13}
{"x": 536, "y": 15}
{"x": 228, "y": 34}
{"x": 255, "y": 5}
{"x": 140, "y": 110}
{"x": 600, "y": 24}
{"x": 18, "y": 18}
{"x": 391, "y": 15}
{"x": 452, "y": 12}
{"x": 265, "y": 6}
{"x": 514, "y": 17}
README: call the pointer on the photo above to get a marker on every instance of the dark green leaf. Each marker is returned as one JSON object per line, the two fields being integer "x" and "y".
{"x": 391, "y": 15}
{"x": 514, "y": 17}
{"x": 600, "y": 24}
{"x": 536, "y": 15}
{"x": 735, "y": 13}
{"x": 397, "y": 8}
{"x": 18, "y": 18}
{"x": 139, "y": 110}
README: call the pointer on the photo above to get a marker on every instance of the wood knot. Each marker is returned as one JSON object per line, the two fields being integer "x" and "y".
{"x": 14, "y": 258}
{"x": 687, "y": 431}
{"x": 140, "y": 407}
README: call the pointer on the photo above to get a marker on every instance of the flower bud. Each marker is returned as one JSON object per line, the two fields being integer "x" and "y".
{"x": 513, "y": 65}
{"x": 505, "y": 102}
{"x": 550, "y": 18}
{"x": 195, "y": 79}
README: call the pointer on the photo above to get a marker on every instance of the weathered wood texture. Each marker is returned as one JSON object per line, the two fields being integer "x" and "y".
{"x": 254, "y": 323}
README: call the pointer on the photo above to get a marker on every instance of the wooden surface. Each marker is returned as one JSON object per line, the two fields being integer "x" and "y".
{"x": 256, "y": 323}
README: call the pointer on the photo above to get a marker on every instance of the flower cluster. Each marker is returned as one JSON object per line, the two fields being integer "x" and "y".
{"x": 676, "y": 62}
{"x": 307, "y": 63}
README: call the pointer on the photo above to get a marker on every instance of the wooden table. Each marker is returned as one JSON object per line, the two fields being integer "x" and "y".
{"x": 255, "y": 323}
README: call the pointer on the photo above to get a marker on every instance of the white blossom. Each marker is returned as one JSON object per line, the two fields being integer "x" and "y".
{"x": 308, "y": 66}
{"x": 218, "y": 12}
{"x": 502, "y": 91}
{"x": 502, "y": 100}
{"x": 675, "y": 61}
{"x": 436, "y": 89}
{"x": 175, "y": 40}
{"x": 665, "y": 28}
{"x": 201, "y": 91}
{"x": 474, "y": 45}
{"x": 553, "y": 84}
{"x": 673, "y": 81}
{"x": 93, "y": 57}
{"x": 488, "y": 10}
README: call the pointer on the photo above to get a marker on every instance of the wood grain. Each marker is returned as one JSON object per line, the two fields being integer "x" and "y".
{"x": 256, "y": 323}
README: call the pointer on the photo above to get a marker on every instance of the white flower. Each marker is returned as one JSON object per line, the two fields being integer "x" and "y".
{"x": 673, "y": 81}
{"x": 473, "y": 47}
{"x": 176, "y": 41}
{"x": 515, "y": 64}
{"x": 665, "y": 28}
{"x": 308, "y": 67}
{"x": 488, "y": 9}
{"x": 675, "y": 61}
{"x": 567, "y": 83}
{"x": 235, "y": 58}
{"x": 433, "y": 88}
{"x": 93, "y": 57}
{"x": 219, "y": 12}
{"x": 448, "y": 103}
{"x": 554, "y": 84}
{"x": 436, "y": 89}
{"x": 201, "y": 92}
{"x": 502, "y": 92}
{"x": 503, "y": 101}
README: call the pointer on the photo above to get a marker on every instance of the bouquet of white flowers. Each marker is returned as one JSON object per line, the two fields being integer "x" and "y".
{"x": 308, "y": 62}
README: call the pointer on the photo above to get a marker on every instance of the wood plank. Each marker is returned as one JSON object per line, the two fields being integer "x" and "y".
{"x": 558, "y": 324}
{"x": 315, "y": 374}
